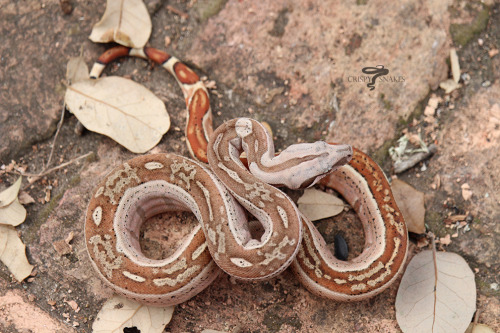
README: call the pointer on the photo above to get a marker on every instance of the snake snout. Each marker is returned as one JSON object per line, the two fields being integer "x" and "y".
{"x": 341, "y": 155}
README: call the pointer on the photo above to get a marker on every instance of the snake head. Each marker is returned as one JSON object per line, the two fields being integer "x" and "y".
{"x": 303, "y": 165}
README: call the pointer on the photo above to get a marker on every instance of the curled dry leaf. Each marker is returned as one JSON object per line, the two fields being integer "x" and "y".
{"x": 13, "y": 253}
{"x": 449, "y": 85}
{"x": 25, "y": 198}
{"x": 118, "y": 313}
{"x": 446, "y": 240}
{"x": 411, "y": 203}
{"x": 76, "y": 70}
{"x": 452, "y": 84}
{"x": 13, "y": 214}
{"x": 436, "y": 295}
{"x": 11, "y": 211}
{"x": 125, "y": 22}
{"x": 316, "y": 204}
{"x": 117, "y": 107}
{"x": 455, "y": 65}
{"x": 10, "y": 194}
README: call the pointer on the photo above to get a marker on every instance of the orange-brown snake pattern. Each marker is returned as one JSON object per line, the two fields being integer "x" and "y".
{"x": 151, "y": 184}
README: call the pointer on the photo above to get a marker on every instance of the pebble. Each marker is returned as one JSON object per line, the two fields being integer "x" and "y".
{"x": 341, "y": 248}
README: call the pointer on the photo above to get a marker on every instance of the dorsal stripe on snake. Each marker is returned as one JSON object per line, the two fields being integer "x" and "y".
{"x": 314, "y": 265}
{"x": 363, "y": 184}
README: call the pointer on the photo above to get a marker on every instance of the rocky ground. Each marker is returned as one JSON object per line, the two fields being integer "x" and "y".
{"x": 291, "y": 64}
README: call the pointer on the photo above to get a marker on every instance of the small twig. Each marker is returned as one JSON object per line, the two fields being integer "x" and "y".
{"x": 414, "y": 159}
{"x": 177, "y": 12}
{"x": 37, "y": 176}
{"x": 476, "y": 317}
{"x": 433, "y": 244}
{"x": 59, "y": 125}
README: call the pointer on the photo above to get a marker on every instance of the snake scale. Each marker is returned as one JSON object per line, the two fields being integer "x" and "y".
{"x": 225, "y": 240}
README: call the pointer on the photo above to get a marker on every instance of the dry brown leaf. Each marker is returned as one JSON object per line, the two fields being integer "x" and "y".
{"x": 13, "y": 214}
{"x": 125, "y": 22}
{"x": 436, "y": 183}
{"x": 25, "y": 198}
{"x": 452, "y": 219}
{"x": 466, "y": 191}
{"x": 455, "y": 65}
{"x": 493, "y": 52}
{"x": 10, "y": 194}
{"x": 411, "y": 203}
{"x": 73, "y": 305}
{"x": 449, "y": 85}
{"x": 436, "y": 296}
{"x": 76, "y": 70}
{"x": 317, "y": 205}
{"x": 479, "y": 328}
{"x": 446, "y": 240}
{"x": 118, "y": 313}
{"x": 117, "y": 107}
{"x": 13, "y": 253}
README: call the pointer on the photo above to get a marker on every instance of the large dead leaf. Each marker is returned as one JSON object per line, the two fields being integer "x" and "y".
{"x": 13, "y": 253}
{"x": 10, "y": 194}
{"x": 125, "y": 22}
{"x": 317, "y": 205}
{"x": 76, "y": 70}
{"x": 436, "y": 295}
{"x": 117, "y": 107}
{"x": 118, "y": 313}
{"x": 411, "y": 203}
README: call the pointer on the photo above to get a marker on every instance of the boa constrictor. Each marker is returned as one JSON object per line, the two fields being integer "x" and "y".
{"x": 148, "y": 185}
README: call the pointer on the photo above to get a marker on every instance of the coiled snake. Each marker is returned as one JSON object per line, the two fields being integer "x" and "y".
{"x": 151, "y": 184}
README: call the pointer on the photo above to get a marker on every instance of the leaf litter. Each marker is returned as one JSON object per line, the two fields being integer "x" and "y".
{"x": 317, "y": 205}
{"x": 125, "y": 22}
{"x": 437, "y": 293}
{"x": 122, "y": 109}
{"x": 119, "y": 313}
{"x": 12, "y": 249}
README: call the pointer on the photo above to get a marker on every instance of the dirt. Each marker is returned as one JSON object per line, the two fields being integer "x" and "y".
{"x": 289, "y": 63}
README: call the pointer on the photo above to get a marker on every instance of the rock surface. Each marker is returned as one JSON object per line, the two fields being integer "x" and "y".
{"x": 292, "y": 64}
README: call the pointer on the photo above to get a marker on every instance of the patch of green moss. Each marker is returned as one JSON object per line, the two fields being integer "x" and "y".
{"x": 434, "y": 222}
{"x": 31, "y": 234}
{"x": 75, "y": 180}
{"x": 385, "y": 102}
{"x": 485, "y": 288}
{"x": 381, "y": 155}
{"x": 415, "y": 114}
{"x": 361, "y": 2}
{"x": 273, "y": 320}
{"x": 463, "y": 33}
{"x": 73, "y": 30}
{"x": 208, "y": 8}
